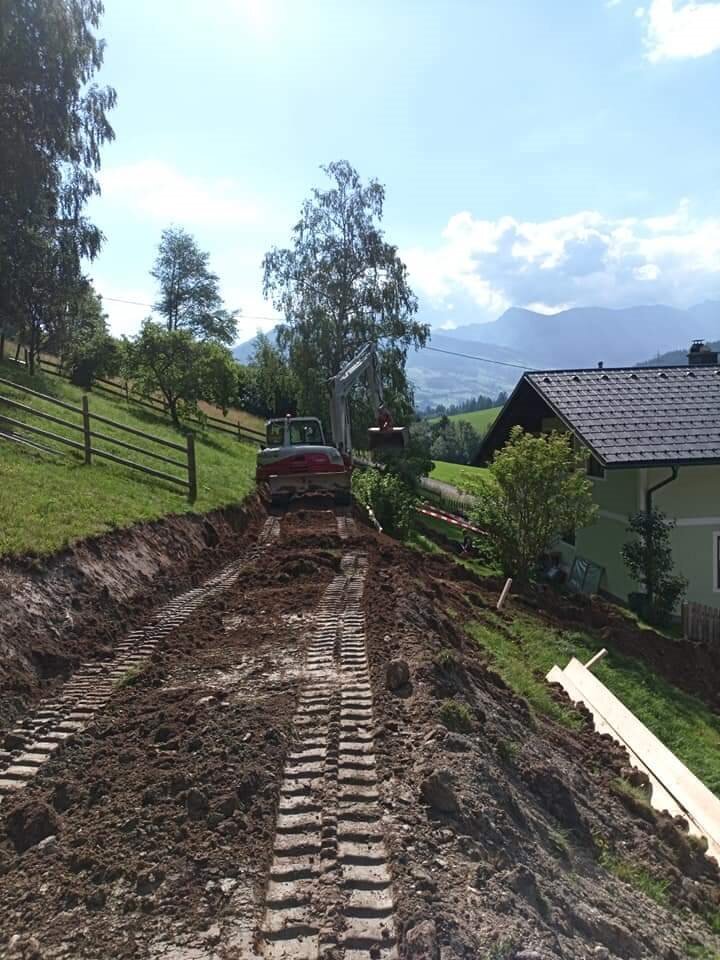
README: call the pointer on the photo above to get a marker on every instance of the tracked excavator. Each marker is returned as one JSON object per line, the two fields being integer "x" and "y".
{"x": 297, "y": 459}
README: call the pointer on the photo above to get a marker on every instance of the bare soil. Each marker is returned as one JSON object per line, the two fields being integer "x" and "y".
{"x": 151, "y": 835}
{"x": 56, "y": 611}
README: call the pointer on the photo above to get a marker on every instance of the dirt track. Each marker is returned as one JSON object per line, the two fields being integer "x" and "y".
{"x": 256, "y": 788}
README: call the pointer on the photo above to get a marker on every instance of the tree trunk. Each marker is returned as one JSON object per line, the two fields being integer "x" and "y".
{"x": 2, "y": 344}
{"x": 172, "y": 406}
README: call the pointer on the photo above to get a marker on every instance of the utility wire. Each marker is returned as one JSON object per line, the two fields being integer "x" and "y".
{"x": 251, "y": 316}
{"x": 467, "y": 356}
{"x": 137, "y": 303}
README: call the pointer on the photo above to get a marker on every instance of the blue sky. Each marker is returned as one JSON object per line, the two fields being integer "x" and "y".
{"x": 545, "y": 154}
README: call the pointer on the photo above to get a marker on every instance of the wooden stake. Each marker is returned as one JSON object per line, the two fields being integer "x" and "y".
{"x": 86, "y": 430}
{"x": 593, "y": 660}
{"x": 505, "y": 592}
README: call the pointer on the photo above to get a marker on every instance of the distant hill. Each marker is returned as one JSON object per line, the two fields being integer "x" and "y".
{"x": 675, "y": 358}
{"x": 583, "y": 336}
{"x": 580, "y": 337}
{"x": 482, "y": 420}
{"x": 243, "y": 351}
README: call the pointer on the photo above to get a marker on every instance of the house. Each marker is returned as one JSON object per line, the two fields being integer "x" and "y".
{"x": 653, "y": 439}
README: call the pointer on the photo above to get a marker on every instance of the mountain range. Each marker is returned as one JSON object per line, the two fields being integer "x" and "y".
{"x": 497, "y": 352}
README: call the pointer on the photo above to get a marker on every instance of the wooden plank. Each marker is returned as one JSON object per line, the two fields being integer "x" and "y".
{"x": 42, "y": 396}
{"x": 44, "y": 433}
{"x": 136, "y": 449}
{"x": 700, "y": 804}
{"x": 40, "y": 413}
{"x": 137, "y": 433}
{"x": 138, "y": 466}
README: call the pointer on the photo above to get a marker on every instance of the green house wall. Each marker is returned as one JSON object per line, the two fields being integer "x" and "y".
{"x": 693, "y": 501}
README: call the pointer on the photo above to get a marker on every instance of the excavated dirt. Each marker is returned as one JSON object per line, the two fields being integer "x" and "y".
{"x": 59, "y": 610}
{"x": 151, "y": 835}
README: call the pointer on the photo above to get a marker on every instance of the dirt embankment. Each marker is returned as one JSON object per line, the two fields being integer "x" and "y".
{"x": 59, "y": 610}
{"x": 152, "y": 834}
{"x": 509, "y": 835}
{"x": 163, "y": 810}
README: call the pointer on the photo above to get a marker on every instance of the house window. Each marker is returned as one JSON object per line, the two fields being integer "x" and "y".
{"x": 716, "y": 562}
{"x": 595, "y": 468}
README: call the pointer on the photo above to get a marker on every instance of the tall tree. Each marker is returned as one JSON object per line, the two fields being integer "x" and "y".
{"x": 53, "y": 122}
{"x": 189, "y": 291}
{"x": 339, "y": 286}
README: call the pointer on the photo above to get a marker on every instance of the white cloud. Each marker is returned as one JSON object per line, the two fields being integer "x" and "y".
{"x": 679, "y": 30}
{"x": 585, "y": 259}
{"x": 158, "y": 192}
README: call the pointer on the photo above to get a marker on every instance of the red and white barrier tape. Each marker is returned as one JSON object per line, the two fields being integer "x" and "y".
{"x": 448, "y": 518}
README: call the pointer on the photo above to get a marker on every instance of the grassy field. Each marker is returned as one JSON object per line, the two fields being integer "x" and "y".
{"x": 453, "y": 472}
{"x": 523, "y": 651}
{"x": 48, "y": 501}
{"x": 480, "y": 419}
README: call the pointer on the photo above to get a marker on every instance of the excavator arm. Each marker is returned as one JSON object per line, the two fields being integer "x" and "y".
{"x": 383, "y": 433}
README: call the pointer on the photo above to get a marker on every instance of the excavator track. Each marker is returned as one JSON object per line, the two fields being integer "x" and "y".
{"x": 330, "y": 890}
{"x": 43, "y": 733}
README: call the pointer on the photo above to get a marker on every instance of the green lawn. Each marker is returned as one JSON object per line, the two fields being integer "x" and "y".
{"x": 453, "y": 472}
{"x": 47, "y": 501}
{"x": 480, "y": 419}
{"x": 524, "y": 650}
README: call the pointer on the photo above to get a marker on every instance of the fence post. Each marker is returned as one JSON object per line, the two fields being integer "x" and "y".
{"x": 86, "y": 430}
{"x": 192, "y": 468}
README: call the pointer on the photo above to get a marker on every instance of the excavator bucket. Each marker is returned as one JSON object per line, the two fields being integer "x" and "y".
{"x": 395, "y": 438}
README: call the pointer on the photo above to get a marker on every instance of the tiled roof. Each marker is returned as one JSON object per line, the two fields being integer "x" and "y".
{"x": 639, "y": 416}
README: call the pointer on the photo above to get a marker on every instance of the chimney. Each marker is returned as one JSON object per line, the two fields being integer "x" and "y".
{"x": 600, "y": 364}
{"x": 700, "y": 355}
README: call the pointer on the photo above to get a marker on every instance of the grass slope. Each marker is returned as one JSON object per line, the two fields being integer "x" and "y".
{"x": 453, "y": 472}
{"x": 47, "y": 502}
{"x": 524, "y": 650}
{"x": 480, "y": 419}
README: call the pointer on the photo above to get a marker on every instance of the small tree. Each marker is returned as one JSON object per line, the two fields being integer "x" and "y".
{"x": 535, "y": 489}
{"x": 189, "y": 291}
{"x": 85, "y": 347}
{"x": 648, "y": 558}
{"x": 182, "y": 370}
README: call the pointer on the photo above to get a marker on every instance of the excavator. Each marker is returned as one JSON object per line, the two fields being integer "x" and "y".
{"x": 298, "y": 459}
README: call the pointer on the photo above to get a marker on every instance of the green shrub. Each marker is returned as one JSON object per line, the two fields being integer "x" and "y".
{"x": 389, "y": 499}
{"x": 446, "y": 659}
{"x": 456, "y": 716}
{"x": 130, "y": 677}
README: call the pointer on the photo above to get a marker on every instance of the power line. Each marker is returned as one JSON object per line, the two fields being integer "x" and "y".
{"x": 138, "y": 303}
{"x": 252, "y": 316}
{"x": 467, "y": 356}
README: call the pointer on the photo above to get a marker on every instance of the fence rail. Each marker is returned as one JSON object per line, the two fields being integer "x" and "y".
{"x": 87, "y": 448}
{"x": 122, "y": 392}
{"x": 701, "y": 623}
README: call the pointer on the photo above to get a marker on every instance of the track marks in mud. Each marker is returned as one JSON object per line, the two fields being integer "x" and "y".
{"x": 46, "y": 730}
{"x": 329, "y": 886}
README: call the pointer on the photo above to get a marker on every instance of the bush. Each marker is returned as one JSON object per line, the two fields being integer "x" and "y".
{"x": 456, "y": 716}
{"x": 388, "y": 497}
{"x": 648, "y": 558}
{"x": 535, "y": 489}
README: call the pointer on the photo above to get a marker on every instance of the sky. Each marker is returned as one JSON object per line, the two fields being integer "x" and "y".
{"x": 541, "y": 154}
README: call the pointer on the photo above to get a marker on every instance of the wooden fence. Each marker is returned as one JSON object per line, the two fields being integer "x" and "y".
{"x": 85, "y": 445}
{"x": 121, "y": 391}
{"x": 701, "y": 623}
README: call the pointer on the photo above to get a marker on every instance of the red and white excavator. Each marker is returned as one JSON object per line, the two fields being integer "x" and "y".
{"x": 297, "y": 459}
